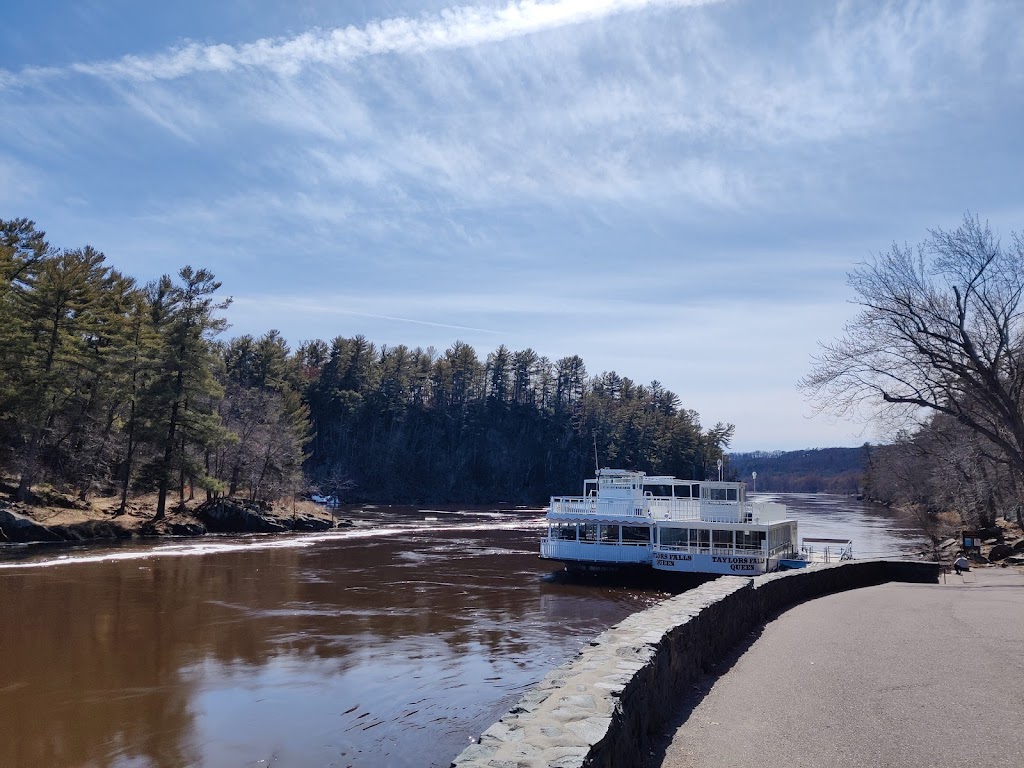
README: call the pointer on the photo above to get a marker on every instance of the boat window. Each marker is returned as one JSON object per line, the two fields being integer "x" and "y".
{"x": 636, "y": 534}
{"x": 682, "y": 491}
{"x": 717, "y": 494}
{"x": 696, "y": 491}
{"x": 705, "y": 537}
{"x": 675, "y": 537}
{"x": 779, "y": 537}
{"x": 722, "y": 538}
{"x": 750, "y": 539}
{"x": 564, "y": 531}
{"x": 588, "y": 532}
{"x": 732, "y": 494}
{"x": 610, "y": 534}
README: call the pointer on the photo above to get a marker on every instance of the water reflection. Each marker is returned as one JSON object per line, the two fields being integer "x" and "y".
{"x": 876, "y": 531}
{"x": 390, "y": 644}
{"x": 357, "y": 651}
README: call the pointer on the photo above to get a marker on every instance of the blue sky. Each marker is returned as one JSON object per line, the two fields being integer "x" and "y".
{"x": 673, "y": 190}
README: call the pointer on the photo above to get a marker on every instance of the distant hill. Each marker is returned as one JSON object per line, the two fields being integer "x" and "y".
{"x": 827, "y": 470}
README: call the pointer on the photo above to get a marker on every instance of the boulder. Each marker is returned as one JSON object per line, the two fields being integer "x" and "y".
{"x": 1018, "y": 546}
{"x": 17, "y": 527}
{"x": 1000, "y": 551}
{"x": 309, "y": 523}
{"x": 186, "y": 529}
{"x": 231, "y": 516}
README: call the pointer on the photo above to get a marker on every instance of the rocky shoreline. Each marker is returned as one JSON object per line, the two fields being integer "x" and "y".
{"x": 1003, "y": 544}
{"x": 75, "y": 521}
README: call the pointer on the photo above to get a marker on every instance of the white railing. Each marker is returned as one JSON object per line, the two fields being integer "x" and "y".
{"x": 690, "y": 510}
{"x": 694, "y": 549}
{"x": 574, "y": 505}
{"x": 595, "y": 551}
{"x": 658, "y": 508}
{"x": 832, "y": 550}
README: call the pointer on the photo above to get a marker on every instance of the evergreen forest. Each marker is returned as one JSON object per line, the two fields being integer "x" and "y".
{"x": 112, "y": 387}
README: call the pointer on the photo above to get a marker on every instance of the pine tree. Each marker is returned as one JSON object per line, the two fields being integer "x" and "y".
{"x": 59, "y": 313}
{"x": 178, "y": 401}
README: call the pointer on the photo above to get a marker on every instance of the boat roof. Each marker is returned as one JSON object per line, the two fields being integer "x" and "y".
{"x": 658, "y": 479}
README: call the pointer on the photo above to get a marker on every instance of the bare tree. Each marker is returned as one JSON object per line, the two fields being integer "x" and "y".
{"x": 939, "y": 332}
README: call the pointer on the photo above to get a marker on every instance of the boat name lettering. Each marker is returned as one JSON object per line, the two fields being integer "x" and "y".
{"x": 736, "y": 560}
{"x": 667, "y": 558}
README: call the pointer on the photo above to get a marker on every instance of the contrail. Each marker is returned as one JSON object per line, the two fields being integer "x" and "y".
{"x": 458, "y": 27}
{"x": 340, "y": 311}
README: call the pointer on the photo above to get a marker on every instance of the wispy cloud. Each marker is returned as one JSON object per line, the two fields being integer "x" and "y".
{"x": 457, "y": 27}
{"x": 309, "y": 307}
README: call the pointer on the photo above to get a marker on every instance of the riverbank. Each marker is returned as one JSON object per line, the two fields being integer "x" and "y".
{"x": 1002, "y": 544}
{"x": 59, "y": 517}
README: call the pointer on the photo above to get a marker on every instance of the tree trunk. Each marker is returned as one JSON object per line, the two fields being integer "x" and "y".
{"x": 165, "y": 470}
{"x": 28, "y": 472}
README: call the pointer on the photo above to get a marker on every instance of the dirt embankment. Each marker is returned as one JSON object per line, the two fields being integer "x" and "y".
{"x": 59, "y": 517}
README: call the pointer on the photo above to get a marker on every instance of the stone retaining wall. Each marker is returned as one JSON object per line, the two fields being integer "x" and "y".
{"x": 601, "y": 709}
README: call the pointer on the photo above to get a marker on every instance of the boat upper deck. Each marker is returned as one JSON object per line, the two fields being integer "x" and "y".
{"x": 634, "y": 497}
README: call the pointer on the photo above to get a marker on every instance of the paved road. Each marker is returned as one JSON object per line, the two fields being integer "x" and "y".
{"x": 894, "y": 675}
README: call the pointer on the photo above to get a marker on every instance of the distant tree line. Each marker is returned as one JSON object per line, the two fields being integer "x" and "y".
{"x": 814, "y": 470}
{"x": 108, "y": 386}
{"x": 937, "y": 351}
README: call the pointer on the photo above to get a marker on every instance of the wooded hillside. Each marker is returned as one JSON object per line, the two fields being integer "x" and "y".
{"x": 814, "y": 470}
{"x": 108, "y": 385}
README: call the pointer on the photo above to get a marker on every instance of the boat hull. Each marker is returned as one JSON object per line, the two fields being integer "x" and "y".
{"x": 736, "y": 565}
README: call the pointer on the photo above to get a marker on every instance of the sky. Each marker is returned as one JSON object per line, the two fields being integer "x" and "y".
{"x": 672, "y": 189}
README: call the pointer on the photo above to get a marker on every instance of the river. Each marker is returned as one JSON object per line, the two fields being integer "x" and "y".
{"x": 392, "y": 643}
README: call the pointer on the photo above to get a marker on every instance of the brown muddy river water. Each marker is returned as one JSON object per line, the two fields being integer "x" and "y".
{"x": 393, "y": 643}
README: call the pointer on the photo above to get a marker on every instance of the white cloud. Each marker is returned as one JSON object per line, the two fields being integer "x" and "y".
{"x": 452, "y": 28}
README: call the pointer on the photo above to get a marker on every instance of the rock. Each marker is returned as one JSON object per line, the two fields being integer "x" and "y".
{"x": 947, "y": 543}
{"x": 21, "y": 528}
{"x": 1000, "y": 551}
{"x": 231, "y": 516}
{"x": 309, "y": 523}
{"x": 186, "y": 529}
{"x": 1018, "y": 546}
{"x": 345, "y": 524}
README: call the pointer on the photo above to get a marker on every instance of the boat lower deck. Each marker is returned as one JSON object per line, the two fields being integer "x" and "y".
{"x": 667, "y": 545}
